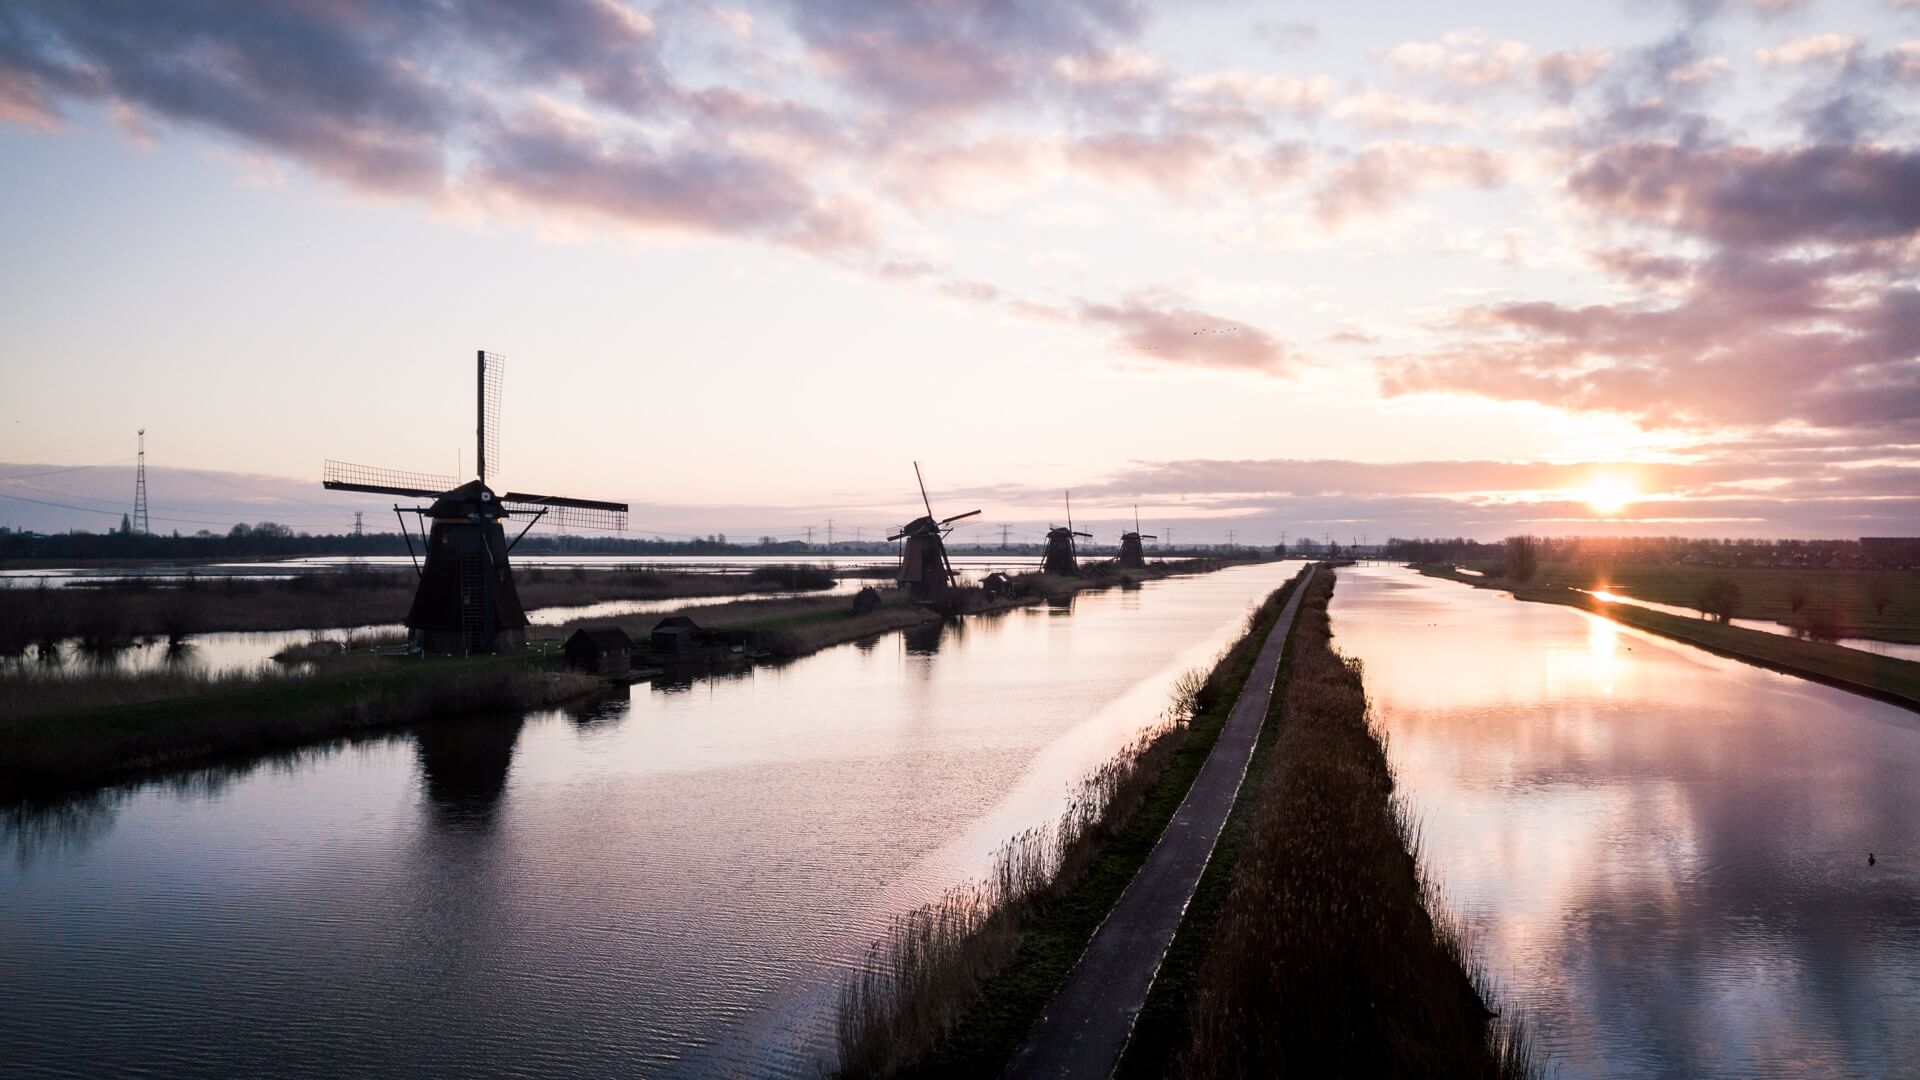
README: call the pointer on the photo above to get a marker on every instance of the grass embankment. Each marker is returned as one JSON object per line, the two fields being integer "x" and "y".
{"x": 790, "y": 627}
{"x": 1326, "y": 958}
{"x": 957, "y": 985}
{"x": 61, "y": 750}
{"x": 1870, "y": 674}
{"x": 1765, "y": 592}
{"x": 131, "y": 609}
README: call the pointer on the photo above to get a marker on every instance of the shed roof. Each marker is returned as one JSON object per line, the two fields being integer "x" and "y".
{"x": 602, "y": 638}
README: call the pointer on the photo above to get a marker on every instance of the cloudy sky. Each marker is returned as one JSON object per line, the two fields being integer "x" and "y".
{"x": 1351, "y": 269}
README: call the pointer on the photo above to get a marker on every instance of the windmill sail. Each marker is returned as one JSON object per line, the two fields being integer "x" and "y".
{"x": 346, "y": 476}
{"x": 492, "y": 376}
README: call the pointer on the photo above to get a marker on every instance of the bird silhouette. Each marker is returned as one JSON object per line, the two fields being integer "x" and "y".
{"x": 1869, "y": 858}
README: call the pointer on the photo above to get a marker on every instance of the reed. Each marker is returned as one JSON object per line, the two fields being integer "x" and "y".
{"x": 107, "y": 729}
{"x": 913, "y": 983}
{"x": 1332, "y": 956}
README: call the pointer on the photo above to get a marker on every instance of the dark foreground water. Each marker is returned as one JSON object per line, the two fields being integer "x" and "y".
{"x": 1661, "y": 854}
{"x": 666, "y": 883}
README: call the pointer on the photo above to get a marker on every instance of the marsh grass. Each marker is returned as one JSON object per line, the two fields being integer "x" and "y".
{"x": 107, "y": 729}
{"x": 122, "y": 611}
{"x": 905, "y": 995}
{"x": 1332, "y": 956}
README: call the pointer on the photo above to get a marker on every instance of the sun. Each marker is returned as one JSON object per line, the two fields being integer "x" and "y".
{"x": 1608, "y": 496}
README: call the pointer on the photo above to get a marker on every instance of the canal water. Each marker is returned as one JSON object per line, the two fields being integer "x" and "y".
{"x": 667, "y": 882}
{"x": 1660, "y": 854}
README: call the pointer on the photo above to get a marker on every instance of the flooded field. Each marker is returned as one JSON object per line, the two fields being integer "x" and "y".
{"x": 1662, "y": 854}
{"x": 665, "y": 883}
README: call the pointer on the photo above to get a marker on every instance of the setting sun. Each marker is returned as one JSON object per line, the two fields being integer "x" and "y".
{"x": 1609, "y": 496}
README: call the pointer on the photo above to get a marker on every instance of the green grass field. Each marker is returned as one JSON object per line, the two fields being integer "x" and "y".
{"x": 1763, "y": 592}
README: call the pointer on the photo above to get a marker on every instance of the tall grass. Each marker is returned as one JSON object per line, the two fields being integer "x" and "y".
{"x": 911, "y": 986}
{"x": 1332, "y": 956}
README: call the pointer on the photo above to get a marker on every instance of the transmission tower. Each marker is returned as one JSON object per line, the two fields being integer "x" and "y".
{"x": 1229, "y": 539}
{"x": 359, "y": 526}
{"x": 140, "y": 525}
{"x": 809, "y": 529}
{"x": 829, "y": 534}
{"x": 1004, "y": 529}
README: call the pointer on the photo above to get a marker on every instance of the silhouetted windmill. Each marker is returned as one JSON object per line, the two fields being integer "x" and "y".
{"x": 466, "y": 601}
{"x": 1133, "y": 556}
{"x": 1060, "y": 555}
{"x": 924, "y": 568}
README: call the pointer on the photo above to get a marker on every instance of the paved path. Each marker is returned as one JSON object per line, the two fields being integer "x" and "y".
{"x": 1087, "y": 1023}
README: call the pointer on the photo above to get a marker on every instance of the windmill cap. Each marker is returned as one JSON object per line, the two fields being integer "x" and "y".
{"x": 470, "y": 498}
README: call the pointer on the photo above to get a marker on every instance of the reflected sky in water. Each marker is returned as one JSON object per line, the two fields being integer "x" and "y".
{"x": 664, "y": 883}
{"x": 1661, "y": 854}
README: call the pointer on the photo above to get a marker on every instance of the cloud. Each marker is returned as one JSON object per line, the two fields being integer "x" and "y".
{"x": 1562, "y": 73}
{"x": 1747, "y": 196}
{"x": 958, "y": 54}
{"x": 1374, "y": 109}
{"x": 1834, "y": 49}
{"x": 1380, "y": 176}
{"x": 1165, "y": 332}
{"x": 1467, "y": 58}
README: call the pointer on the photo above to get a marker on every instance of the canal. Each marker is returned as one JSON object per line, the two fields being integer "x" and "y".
{"x": 1660, "y": 854}
{"x": 668, "y": 882}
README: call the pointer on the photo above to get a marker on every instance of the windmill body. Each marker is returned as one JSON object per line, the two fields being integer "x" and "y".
{"x": 466, "y": 601}
{"x": 925, "y": 571}
{"x": 1060, "y": 557}
{"x": 1133, "y": 554}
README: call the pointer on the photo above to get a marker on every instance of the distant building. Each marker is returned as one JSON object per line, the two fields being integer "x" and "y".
{"x": 604, "y": 651}
{"x": 675, "y": 633}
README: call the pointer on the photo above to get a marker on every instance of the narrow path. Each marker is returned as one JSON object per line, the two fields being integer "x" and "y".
{"x": 1085, "y": 1026}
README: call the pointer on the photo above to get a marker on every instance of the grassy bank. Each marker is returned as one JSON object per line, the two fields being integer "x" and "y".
{"x": 1765, "y": 592}
{"x": 131, "y": 609}
{"x": 1325, "y": 958}
{"x": 1003, "y": 950}
{"x": 51, "y": 753}
{"x": 1883, "y": 677}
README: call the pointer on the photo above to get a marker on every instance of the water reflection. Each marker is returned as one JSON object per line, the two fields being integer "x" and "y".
{"x": 1661, "y": 853}
{"x": 464, "y": 764}
{"x": 924, "y": 640}
{"x": 665, "y": 883}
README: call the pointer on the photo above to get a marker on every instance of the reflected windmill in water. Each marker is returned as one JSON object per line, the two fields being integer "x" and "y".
{"x": 924, "y": 567}
{"x": 466, "y": 602}
{"x": 1061, "y": 557}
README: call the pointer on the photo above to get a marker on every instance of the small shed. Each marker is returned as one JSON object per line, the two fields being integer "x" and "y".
{"x": 675, "y": 633}
{"x": 602, "y": 650}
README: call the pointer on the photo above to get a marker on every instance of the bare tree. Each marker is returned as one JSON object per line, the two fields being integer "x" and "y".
{"x": 1720, "y": 598}
{"x": 1880, "y": 592}
{"x": 1522, "y": 558}
{"x": 1798, "y": 594}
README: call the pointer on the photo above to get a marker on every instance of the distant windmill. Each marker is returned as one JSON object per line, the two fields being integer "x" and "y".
{"x": 1132, "y": 555}
{"x": 924, "y": 568}
{"x": 466, "y": 601}
{"x": 1060, "y": 555}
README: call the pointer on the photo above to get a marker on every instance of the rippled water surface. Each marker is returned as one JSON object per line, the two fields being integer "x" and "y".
{"x": 1662, "y": 854}
{"x": 665, "y": 883}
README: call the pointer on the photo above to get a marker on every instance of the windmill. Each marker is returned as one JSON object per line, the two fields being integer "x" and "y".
{"x": 1060, "y": 557}
{"x": 1132, "y": 555}
{"x": 466, "y": 601}
{"x": 924, "y": 568}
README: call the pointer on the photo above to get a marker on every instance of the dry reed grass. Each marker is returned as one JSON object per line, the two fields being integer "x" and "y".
{"x": 910, "y": 988}
{"x": 1332, "y": 956}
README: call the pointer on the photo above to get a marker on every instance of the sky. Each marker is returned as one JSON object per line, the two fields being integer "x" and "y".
{"x": 1645, "y": 267}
